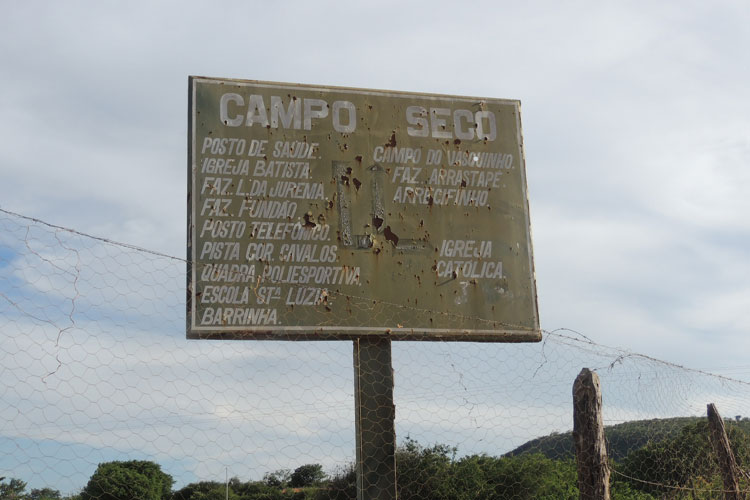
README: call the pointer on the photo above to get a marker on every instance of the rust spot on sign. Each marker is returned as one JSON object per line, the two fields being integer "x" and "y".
{"x": 390, "y": 235}
{"x": 309, "y": 223}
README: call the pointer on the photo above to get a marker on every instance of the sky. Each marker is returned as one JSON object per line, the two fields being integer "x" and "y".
{"x": 635, "y": 123}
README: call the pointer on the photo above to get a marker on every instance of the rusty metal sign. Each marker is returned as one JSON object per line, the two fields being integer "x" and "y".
{"x": 335, "y": 213}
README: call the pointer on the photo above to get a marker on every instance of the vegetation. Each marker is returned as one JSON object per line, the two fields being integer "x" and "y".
{"x": 128, "y": 480}
{"x": 307, "y": 475}
{"x": 656, "y": 459}
{"x": 621, "y": 438}
{"x": 15, "y": 489}
{"x": 687, "y": 461}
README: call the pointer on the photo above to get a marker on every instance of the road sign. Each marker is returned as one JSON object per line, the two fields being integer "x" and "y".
{"x": 336, "y": 213}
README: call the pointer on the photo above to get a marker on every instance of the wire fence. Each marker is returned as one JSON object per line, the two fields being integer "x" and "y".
{"x": 96, "y": 372}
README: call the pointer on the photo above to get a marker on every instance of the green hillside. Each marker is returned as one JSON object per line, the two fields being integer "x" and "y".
{"x": 621, "y": 438}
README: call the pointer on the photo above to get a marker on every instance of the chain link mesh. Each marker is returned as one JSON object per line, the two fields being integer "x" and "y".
{"x": 99, "y": 380}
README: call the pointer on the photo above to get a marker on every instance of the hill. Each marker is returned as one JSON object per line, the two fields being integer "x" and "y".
{"x": 621, "y": 438}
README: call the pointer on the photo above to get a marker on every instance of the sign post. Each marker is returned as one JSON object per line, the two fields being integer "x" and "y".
{"x": 375, "y": 416}
{"x": 331, "y": 213}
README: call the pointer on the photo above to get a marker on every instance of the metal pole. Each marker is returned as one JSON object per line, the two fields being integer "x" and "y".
{"x": 374, "y": 419}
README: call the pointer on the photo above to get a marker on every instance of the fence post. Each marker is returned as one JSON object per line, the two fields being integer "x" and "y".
{"x": 724, "y": 454}
{"x": 588, "y": 433}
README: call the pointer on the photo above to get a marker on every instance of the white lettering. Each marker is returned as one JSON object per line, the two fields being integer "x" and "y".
{"x": 236, "y": 121}
{"x": 338, "y": 106}
{"x": 290, "y": 118}
{"x": 256, "y": 112}
{"x": 435, "y": 123}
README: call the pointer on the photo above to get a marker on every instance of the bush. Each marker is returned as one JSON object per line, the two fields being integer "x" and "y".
{"x": 133, "y": 480}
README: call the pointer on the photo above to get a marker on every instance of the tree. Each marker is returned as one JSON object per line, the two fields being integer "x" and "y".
{"x": 623, "y": 491}
{"x": 255, "y": 490}
{"x": 342, "y": 486}
{"x": 132, "y": 480}
{"x": 238, "y": 490}
{"x": 423, "y": 472}
{"x": 526, "y": 477}
{"x": 306, "y": 475}
{"x": 278, "y": 478}
{"x": 207, "y": 490}
{"x": 687, "y": 460}
{"x": 44, "y": 494}
{"x": 435, "y": 473}
{"x": 13, "y": 490}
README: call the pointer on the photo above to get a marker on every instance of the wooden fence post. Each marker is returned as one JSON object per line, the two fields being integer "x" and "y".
{"x": 588, "y": 433}
{"x": 724, "y": 454}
